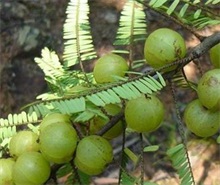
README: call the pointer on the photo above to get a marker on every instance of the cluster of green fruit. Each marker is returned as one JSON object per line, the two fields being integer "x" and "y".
{"x": 202, "y": 115}
{"x": 33, "y": 154}
{"x": 57, "y": 142}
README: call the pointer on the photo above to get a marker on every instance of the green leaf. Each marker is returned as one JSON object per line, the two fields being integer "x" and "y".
{"x": 197, "y": 13}
{"x": 183, "y": 10}
{"x": 126, "y": 179}
{"x": 174, "y": 150}
{"x": 152, "y": 148}
{"x": 172, "y": 7}
{"x": 78, "y": 44}
{"x": 132, "y": 25}
{"x": 131, "y": 155}
{"x": 157, "y": 3}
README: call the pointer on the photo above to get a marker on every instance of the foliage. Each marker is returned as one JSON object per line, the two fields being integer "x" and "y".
{"x": 86, "y": 103}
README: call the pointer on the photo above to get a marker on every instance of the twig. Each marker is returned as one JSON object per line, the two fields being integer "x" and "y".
{"x": 181, "y": 129}
{"x": 195, "y": 53}
{"x": 111, "y": 123}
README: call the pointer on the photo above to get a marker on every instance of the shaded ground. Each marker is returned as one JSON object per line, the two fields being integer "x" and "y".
{"x": 29, "y": 25}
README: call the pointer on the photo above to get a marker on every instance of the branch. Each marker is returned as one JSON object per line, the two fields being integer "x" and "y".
{"x": 195, "y": 53}
{"x": 111, "y": 123}
{"x": 206, "y": 45}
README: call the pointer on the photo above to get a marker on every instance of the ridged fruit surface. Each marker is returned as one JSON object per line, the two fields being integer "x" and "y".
{"x": 201, "y": 121}
{"x": 208, "y": 89}
{"x": 164, "y": 46}
{"x": 144, "y": 114}
{"x": 109, "y": 66}
{"x": 93, "y": 153}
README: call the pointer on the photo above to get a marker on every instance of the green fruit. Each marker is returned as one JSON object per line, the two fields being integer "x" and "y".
{"x": 201, "y": 121}
{"x": 54, "y": 118}
{"x": 6, "y": 166}
{"x": 109, "y": 66}
{"x": 93, "y": 153}
{"x": 215, "y": 56}
{"x": 58, "y": 142}
{"x": 23, "y": 141}
{"x": 98, "y": 122}
{"x": 31, "y": 169}
{"x": 209, "y": 89}
{"x": 164, "y": 46}
{"x": 144, "y": 114}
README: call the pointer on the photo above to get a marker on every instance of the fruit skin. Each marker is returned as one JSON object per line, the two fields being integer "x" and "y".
{"x": 108, "y": 66}
{"x": 208, "y": 89}
{"x": 93, "y": 153}
{"x": 201, "y": 121}
{"x": 54, "y": 118}
{"x": 31, "y": 169}
{"x": 164, "y": 46}
{"x": 144, "y": 114}
{"x": 215, "y": 56}
{"x": 6, "y": 166}
{"x": 98, "y": 122}
{"x": 23, "y": 141}
{"x": 58, "y": 142}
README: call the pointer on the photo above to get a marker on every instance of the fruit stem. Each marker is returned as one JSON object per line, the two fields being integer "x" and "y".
{"x": 181, "y": 129}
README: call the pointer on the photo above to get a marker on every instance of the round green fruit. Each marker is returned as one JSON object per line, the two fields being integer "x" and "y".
{"x": 164, "y": 46}
{"x": 208, "y": 89}
{"x": 6, "y": 166}
{"x": 215, "y": 56}
{"x": 144, "y": 114}
{"x": 31, "y": 169}
{"x": 93, "y": 153}
{"x": 109, "y": 66}
{"x": 58, "y": 142}
{"x": 23, "y": 141}
{"x": 54, "y": 118}
{"x": 201, "y": 121}
{"x": 98, "y": 122}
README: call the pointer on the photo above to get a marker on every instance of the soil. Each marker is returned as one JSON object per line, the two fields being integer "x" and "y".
{"x": 27, "y": 26}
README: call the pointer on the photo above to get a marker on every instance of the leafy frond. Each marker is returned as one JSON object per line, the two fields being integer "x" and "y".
{"x": 193, "y": 13}
{"x": 18, "y": 119}
{"x": 76, "y": 33}
{"x": 50, "y": 64}
{"x": 8, "y": 126}
{"x": 179, "y": 158}
{"x": 181, "y": 81}
{"x": 110, "y": 93}
{"x": 132, "y": 25}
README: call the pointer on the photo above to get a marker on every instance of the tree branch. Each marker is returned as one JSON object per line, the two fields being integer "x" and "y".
{"x": 111, "y": 123}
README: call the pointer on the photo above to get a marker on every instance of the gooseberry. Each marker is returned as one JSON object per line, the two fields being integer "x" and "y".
{"x": 109, "y": 66}
{"x": 215, "y": 56}
{"x": 164, "y": 46}
{"x": 31, "y": 168}
{"x": 144, "y": 114}
{"x": 201, "y": 121}
{"x": 54, "y": 118}
{"x": 23, "y": 141}
{"x": 58, "y": 142}
{"x": 93, "y": 153}
{"x": 209, "y": 89}
{"x": 6, "y": 166}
